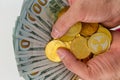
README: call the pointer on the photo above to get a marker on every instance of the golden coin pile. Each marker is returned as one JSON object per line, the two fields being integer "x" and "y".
{"x": 82, "y": 39}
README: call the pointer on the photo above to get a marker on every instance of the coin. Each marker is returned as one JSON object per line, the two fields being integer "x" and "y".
{"x": 51, "y": 49}
{"x": 88, "y": 29}
{"x": 67, "y": 44}
{"x": 98, "y": 43}
{"x": 79, "y": 48}
{"x": 72, "y": 32}
{"x": 104, "y": 30}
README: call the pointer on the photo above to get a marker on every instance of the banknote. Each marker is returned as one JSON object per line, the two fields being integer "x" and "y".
{"x": 63, "y": 75}
{"x": 28, "y": 32}
{"x": 31, "y": 34}
{"x": 56, "y": 74}
{"x": 37, "y": 68}
{"x": 37, "y": 8}
{"x": 35, "y": 64}
{"x": 47, "y": 72}
{"x": 43, "y": 34}
{"x": 25, "y": 47}
{"x": 23, "y": 60}
{"x": 42, "y": 75}
{"x": 69, "y": 76}
{"x": 46, "y": 10}
{"x": 35, "y": 24}
{"x": 18, "y": 34}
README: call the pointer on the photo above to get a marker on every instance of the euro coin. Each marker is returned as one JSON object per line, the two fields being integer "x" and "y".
{"x": 98, "y": 43}
{"x": 51, "y": 49}
{"x": 104, "y": 30}
{"x": 88, "y": 29}
{"x": 79, "y": 48}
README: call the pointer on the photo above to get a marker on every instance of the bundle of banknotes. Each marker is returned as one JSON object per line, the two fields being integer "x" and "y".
{"x": 31, "y": 34}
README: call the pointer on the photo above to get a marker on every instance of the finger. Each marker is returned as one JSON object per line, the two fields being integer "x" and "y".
{"x": 72, "y": 63}
{"x": 64, "y": 23}
{"x": 71, "y": 2}
{"x": 113, "y": 22}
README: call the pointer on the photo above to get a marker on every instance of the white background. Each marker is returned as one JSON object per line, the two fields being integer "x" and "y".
{"x": 9, "y": 10}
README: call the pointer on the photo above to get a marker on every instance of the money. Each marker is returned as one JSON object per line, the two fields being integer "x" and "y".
{"x": 72, "y": 32}
{"x": 63, "y": 75}
{"x": 51, "y": 50}
{"x": 37, "y": 68}
{"x": 55, "y": 75}
{"x": 79, "y": 48}
{"x": 104, "y": 30}
{"x": 98, "y": 43}
{"x": 32, "y": 32}
{"x": 32, "y": 36}
{"x": 88, "y": 29}
{"x": 49, "y": 72}
{"x": 84, "y": 40}
{"x": 23, "y": 60}
{"x": 24, "y": 32}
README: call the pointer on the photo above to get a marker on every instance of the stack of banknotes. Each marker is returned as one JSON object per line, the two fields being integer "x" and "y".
{"x": 31, "y": 34}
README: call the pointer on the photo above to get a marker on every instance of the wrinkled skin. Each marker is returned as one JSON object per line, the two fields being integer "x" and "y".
{"x": 105, "y": 66}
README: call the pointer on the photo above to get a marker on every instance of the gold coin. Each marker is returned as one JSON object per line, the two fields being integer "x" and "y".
{"x": 72, "y": 32}
{"x": 88, "y": 29}
{"x": 78, "y": 35}
{"x": 79, "y": 48}
{"x": 98, "y": 43}
{"x": 66, "y": 38}
{"x": 67, "y": 44}
{"x": 51, "y": 49}
{"x": 105, "y": 30}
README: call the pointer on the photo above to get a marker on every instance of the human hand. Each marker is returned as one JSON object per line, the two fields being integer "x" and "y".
{"x": 106, "y": 66}
{"x": 106, "y": 12}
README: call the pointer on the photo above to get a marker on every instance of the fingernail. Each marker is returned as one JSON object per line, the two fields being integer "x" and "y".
{"x": 61, "y": 53}
{"x": 55, "y": 33}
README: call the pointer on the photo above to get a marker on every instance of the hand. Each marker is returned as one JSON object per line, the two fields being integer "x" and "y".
{"x": 106, "y": 66}
{"x": 106, "y": 12}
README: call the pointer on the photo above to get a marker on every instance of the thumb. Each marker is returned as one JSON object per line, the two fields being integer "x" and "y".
{"x": 72, "y": 63}
{"x": 64, "y": 23}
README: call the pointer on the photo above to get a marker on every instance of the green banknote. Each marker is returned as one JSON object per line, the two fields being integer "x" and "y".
{"x": 31, "y": 34}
